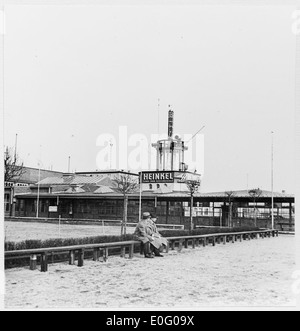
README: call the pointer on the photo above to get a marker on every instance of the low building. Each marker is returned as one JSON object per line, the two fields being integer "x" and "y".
{"x": 29, "y": 176}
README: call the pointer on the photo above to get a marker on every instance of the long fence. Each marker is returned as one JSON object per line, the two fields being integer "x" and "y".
{"x": 101, "y": 251}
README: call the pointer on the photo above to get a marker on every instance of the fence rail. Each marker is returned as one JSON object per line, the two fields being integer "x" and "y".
{"x": 181, "y": 241}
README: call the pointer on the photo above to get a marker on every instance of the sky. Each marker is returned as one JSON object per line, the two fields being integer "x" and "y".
{"x": 74, "y": 73}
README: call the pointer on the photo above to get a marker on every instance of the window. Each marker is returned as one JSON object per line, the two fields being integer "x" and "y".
{"x": 158, "y": 186}
{"x": 150, "y": 186}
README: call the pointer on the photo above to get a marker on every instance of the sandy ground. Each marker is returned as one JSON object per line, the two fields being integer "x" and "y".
{"x": 19, "y": 231}
{"x": 249, "y": 273}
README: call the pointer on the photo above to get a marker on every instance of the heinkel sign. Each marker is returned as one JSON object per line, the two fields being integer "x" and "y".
{"x": 158, "y": 177}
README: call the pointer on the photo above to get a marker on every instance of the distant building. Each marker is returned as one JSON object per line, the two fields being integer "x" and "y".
{"x": 30, "y": 176}
{"x": 163, "y": 192}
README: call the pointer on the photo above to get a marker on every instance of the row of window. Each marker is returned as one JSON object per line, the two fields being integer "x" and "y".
{"x": 115, "y": 207}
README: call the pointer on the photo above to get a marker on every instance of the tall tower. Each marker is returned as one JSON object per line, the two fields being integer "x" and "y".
{"x": 170, "y": 152}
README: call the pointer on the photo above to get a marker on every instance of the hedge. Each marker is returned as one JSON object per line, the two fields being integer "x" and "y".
{"x": 32, "y": 244}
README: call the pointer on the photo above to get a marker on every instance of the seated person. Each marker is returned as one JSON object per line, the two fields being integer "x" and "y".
{"x": 158, "y": 241}
{"x": 144, "y": 232}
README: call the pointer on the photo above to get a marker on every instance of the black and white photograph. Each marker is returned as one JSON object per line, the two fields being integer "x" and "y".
{"x": 151, "y": 155}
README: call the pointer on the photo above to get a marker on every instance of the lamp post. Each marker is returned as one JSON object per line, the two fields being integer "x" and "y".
{"x": 38, "y": 193}
{"x": 272, "y": 179}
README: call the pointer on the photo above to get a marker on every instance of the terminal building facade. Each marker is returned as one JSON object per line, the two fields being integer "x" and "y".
{"x": 164, "y": 192}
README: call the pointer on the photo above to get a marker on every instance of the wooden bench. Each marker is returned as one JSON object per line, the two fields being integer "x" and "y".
{"x": 182, "y": 241}
{"x": 71, "y": 250}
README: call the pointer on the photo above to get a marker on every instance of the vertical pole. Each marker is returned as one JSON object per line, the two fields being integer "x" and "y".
{"x": 140, "y": 199}
{"x": 272, "y": 180}
{"x": 158, "y": 105}
{"x": 16, "y": 145}
{"x": 38, "y": 194}
{"x": 191, "y": 212}
{"x": 69, "y": 162}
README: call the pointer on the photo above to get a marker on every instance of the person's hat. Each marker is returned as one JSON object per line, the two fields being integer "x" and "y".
{"x": 146, "y": 214}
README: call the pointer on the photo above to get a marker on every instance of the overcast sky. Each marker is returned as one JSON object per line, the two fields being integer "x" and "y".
{"x": 73, "y": 73}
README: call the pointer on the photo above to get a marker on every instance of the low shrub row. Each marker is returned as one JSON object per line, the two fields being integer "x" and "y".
{"x": 32, "y": 244}
{"x": 202, "y": 231}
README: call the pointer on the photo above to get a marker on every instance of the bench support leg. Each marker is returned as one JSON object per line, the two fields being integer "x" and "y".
{"x": 72, "y": 257}
{"x": 44, "y": 262}
{"x": 96, "y": 254}
{"x": 80, "y": 257}
{"x": 105, "y": 254}
{"x": 131, "y": 251}
{"x": 186, "y": 243}
{"x": 180, "y": 246}
{"x": 33, "y": 259}
{"x": 167, "y": 247}
{"x": 123, "y": 252}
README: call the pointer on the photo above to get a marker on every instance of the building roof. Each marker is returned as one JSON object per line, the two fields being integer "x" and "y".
{"x": 93, "y": 186}
{"x": 32, "y": 175}
{"x": 73, "y": 180}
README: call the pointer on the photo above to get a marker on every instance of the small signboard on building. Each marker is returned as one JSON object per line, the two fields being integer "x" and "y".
{"x": 52, "y": 209}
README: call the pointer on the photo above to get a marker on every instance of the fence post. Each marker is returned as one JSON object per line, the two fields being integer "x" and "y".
{"x": 224, "y": 240}
{"x": 33, "y": 259}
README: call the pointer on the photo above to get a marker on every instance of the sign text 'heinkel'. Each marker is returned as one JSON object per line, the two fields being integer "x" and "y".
{"x": 158, "y": 177}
